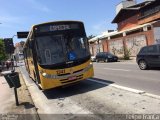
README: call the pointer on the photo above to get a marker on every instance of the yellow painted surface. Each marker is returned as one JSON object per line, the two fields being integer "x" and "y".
{"x": 47, "y": 83}
{"x": 31, "y": 67}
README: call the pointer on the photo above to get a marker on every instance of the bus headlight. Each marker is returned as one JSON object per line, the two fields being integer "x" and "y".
{"x": 44, "y": 74}
{"x": 49, "y": 76}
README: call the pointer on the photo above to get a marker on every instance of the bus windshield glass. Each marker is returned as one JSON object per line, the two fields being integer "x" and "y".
{"x": 60, "y": 48}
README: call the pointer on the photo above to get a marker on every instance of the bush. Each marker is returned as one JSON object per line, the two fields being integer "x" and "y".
{"x": 127, "y": 54}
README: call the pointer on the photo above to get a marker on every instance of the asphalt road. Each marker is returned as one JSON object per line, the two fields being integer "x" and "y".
{"x": 88, "y": 100}
{"x": 129, "y": 75}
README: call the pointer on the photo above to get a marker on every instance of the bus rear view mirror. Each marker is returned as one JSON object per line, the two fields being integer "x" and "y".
{"x": 23, "y": 34}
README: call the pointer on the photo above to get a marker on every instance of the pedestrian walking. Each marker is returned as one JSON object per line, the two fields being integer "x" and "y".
{"x": 8, "y": 64}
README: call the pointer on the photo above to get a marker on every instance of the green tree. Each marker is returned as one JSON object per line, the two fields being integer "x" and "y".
{"x": 3, "y": 55}
{"x": 90, "y": 37}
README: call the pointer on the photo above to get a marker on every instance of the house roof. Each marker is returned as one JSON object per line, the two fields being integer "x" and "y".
{"x": 127, "y": 11}
{"x": 124, "y": 13}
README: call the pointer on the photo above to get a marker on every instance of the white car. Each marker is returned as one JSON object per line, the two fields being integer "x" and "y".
{"x": 93, "y": 58}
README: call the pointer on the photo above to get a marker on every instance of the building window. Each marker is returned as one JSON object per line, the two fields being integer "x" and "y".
{"x": 149, "y": 12}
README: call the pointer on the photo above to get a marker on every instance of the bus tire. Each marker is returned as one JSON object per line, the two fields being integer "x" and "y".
{"x": 36, "y": 81}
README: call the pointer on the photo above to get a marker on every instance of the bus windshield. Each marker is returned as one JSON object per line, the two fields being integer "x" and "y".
{"x": 54, "y": 49}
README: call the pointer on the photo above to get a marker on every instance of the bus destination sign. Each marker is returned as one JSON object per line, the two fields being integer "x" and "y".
{"x": 52, "y": 28}
{"x": 59, "y": 27}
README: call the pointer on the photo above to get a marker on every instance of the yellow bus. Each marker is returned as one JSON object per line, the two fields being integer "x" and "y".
{"x": 57, "y": 54}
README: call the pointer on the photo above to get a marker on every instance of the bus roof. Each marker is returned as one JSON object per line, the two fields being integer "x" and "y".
{"x": 31, "y": 31}
{"x": 56, "y": 22}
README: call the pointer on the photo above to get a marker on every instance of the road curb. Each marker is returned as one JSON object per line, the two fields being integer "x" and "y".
{"x": 127, "y": 89}
{"x": 32, "y": 87}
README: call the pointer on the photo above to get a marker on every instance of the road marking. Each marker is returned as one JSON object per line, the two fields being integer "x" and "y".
{"x": 152, "y": 95}
{"x": 126, "y": 88}
{"x": 116, "y": 69}
{"x": 118, "y": 86}
{"x": 131, "y": 63}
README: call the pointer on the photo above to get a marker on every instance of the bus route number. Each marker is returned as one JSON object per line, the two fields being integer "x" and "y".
{"x": 59, "y": 72}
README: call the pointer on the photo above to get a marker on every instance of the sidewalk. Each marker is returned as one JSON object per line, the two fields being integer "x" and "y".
{"x": 26, "y": 109}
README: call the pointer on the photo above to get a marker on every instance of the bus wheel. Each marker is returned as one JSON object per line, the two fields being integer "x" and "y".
{"x": 38, "y": 85}
{"x": 36, "y": 81}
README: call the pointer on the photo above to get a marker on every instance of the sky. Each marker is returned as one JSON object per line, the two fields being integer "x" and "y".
{"x": 20, "y": 15}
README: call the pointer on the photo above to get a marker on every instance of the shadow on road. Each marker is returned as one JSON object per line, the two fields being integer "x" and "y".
{"x": 27, "y": 105}
{"x": 102, "y": 80}
{"x": 79, "y": 88}
{"x": 154, "y": 69}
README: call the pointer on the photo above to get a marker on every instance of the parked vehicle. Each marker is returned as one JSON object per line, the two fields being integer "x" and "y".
{"x": 93, "y": 58}
{"x": 106, "y": 57}
{"x": 149, "y": 56}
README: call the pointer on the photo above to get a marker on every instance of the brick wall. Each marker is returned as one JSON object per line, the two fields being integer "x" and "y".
{"x": 134, "y": 21}
{"x": 128, "y": 23}
{"x": 106, "y": 43}
{"x": 157, "y": 24}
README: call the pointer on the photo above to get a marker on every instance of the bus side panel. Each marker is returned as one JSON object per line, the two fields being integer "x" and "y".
{"x": 31, "y": 67}
{"x": 30, "y": 62}
{"x": 36, "y": 70}
{"x": 26, "y": 60}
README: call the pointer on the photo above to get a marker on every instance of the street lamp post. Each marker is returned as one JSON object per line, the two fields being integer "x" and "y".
{"x": 14, "y": 55}
{"x": 15, "y": 89}
{"x": 13, "y": 36}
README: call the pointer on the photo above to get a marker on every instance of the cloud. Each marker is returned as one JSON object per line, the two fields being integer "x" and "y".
{"x": 100, "y": 27}
{"x": 8, "y": 18}
{"x": 39, "y": 6}
{"x": 9, "y": 21}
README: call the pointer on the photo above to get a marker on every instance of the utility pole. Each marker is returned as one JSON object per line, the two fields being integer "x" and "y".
{"x": 98, "y": 45}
